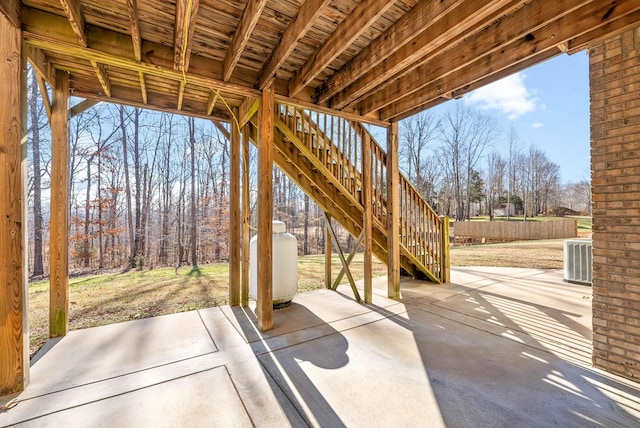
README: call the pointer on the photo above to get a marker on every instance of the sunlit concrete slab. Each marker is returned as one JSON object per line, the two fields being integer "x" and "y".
{"x": 496, "y": 347}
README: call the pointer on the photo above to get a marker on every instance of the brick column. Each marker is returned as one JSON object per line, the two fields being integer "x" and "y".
{"x": 615, "y": 165}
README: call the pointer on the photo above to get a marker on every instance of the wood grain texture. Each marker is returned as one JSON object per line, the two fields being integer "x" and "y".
{"x": 13, "y": 370}
{"x": 512, "y": 28}
{"x": 235, "y": 238}
{"x": 309, "y": 12}
{"x": 12, "y": 10}
{"x": 59, "y": 220}
{"x": 420, "y": 17}
{"x": 185, "y": 25}
{"x": 327, "y": 252}
{"x": 393, "y": 219}
{"x": 367, "y": 219}
{"x": 76, "y": 19}
{"x": 246, "y": 215}
{"x": 134, "y": 22}
{"x": 265, "y": 210}
{"x": 360, "y": 19}
{"x": 468, "y": 16}
{"x": 248, "y": 21}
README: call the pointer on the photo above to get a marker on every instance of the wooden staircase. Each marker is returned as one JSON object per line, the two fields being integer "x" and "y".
{"x": 322, "y": 154}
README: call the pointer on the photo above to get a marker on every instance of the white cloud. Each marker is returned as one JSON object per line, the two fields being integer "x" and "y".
{"x": 537, "y": 125}
{"x": 509, "y": 96}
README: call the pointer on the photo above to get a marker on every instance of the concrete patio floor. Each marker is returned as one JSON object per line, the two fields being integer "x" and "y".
{"x": 496, "y": 347}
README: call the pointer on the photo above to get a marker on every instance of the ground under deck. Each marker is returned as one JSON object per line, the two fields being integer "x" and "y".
{"x": 497, "y": 347}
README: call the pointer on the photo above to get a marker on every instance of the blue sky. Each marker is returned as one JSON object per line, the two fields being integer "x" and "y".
{"x": 548, "y": 105}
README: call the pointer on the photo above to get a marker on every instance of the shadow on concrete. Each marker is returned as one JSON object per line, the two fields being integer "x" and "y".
{"x": 494, "y": 360}
{"x": 283, "y": 361}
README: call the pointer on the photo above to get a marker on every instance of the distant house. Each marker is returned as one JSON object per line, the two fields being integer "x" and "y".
{"x": 504, "y": 210}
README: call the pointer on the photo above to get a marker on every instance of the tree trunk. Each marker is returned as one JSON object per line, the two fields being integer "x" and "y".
{"x": 38, "y": 267}
{"x": 125, "y": 156}
{"x": 192, "y": 143}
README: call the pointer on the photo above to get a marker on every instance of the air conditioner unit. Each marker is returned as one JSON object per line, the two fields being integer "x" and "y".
{"x": 577, "y": 261}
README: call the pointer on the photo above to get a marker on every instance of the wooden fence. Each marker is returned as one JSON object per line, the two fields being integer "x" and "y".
{"x": 498, "y": 231}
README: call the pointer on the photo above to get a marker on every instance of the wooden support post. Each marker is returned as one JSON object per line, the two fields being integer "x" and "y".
{"x": 234, "y": 211}
{"x": 327, "y": 252}
{"x": 393, "y": 214}
{"x": 367, "y": 220}
{"x": 59, "y": 221}
{"x": 246, "y": 216}
{"x": 14, "y": 336}
{"x": 445, "y": 255}
{"x": 265, "y": 211}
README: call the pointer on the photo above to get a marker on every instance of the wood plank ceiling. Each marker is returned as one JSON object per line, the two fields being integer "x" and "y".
{"x": 384, "y": 60}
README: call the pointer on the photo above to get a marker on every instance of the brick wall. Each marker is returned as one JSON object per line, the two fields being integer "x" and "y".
{"x": 615, "y": 165}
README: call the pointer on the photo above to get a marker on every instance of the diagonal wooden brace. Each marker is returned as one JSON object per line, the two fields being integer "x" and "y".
{"x": 345, "y": 264}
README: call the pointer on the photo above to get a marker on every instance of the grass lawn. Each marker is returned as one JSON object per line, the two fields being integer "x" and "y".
{"x": 542, "y": 254}
{"x": 117, "y": 297}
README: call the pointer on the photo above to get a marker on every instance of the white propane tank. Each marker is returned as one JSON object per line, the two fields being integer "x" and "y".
{"x": 285, "y": 265}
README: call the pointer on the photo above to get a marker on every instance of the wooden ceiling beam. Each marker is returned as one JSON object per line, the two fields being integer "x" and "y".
{"x": 134, "y": 23}
{"x": 434, "y": 100}
{"x": 46, "y": 43}
{"x": 405, "y": 29}
{"x": 448, "y": 30}
{"x": 358, "y": 21}
{"x": 583, "y": 20}
{"x": 248, "y": 21}
{"x": 537, "y": 14}
{"x": 102, "y": 77}
{"x": 624, "y": 23}
{"x": 129, "y": 97}
{"x": 185, "y": 26}
{"x": 76, "y": 19}
{"x": 308, "y": 14}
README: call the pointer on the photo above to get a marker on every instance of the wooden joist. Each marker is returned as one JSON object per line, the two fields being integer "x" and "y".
{"x": 468, "y": 16}
{"x": 512, "y": 28}
{"x": 134, "y": 23}
{"x": 360, "y": 19}
{"x": 309, "y": 12}
{"x": 185, "y": 26}
{"x": 414, "y": 22}
{"x": 76, "y": 19}
{"x": 248, "y": 21}
{"x": 519, "y": 54}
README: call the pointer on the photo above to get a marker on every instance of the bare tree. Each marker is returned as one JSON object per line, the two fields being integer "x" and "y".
{"x": 37, "y": 121}
{"x": 465, "y": 136}
{"x": 494, "y": 180}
